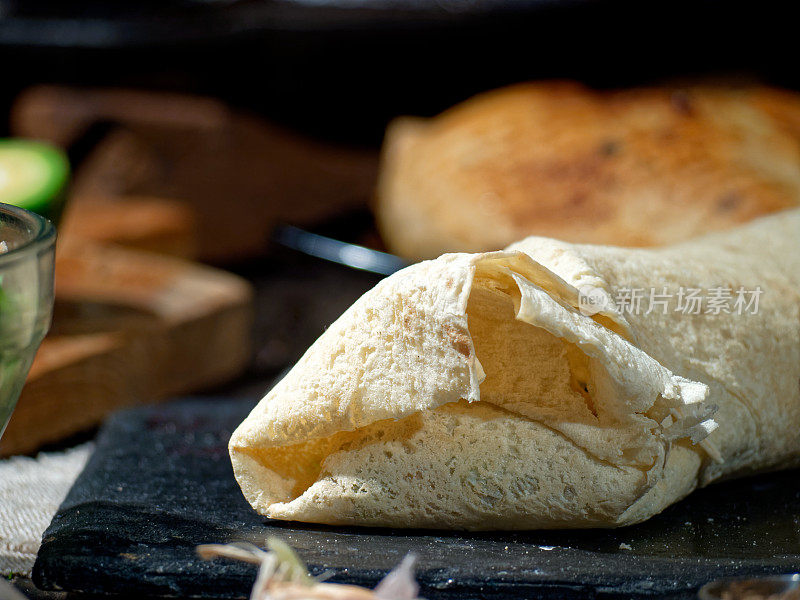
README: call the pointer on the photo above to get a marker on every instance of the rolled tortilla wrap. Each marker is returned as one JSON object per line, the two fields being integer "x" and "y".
{"x": 481, "y": 391}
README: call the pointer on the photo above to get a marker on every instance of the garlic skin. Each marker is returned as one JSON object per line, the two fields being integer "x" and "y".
{"x": 283, "y": 576}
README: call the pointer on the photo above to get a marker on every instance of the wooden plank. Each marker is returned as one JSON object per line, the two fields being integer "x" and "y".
{"x": 169, "y": 175}
{"x": 130, "y": 327}
{"x": 239, "y": 174}
{"x": 160, "y": 225}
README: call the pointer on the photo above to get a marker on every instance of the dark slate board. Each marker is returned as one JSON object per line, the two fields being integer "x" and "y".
{"x": 160, "y": 483}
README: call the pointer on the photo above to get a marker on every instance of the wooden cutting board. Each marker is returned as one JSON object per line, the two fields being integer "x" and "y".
{"x": 130, "y": 326}
{"x": 162, "y": 180}
{"x": 235, "y": 174}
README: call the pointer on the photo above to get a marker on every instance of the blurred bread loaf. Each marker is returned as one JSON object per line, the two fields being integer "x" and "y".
{"x": 637, "y": 167}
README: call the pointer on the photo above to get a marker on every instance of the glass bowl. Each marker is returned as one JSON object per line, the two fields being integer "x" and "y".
{"x": 27, "y": 252}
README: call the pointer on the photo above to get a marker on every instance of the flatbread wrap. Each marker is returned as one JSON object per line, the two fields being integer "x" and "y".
{"x": 524, "y": 389}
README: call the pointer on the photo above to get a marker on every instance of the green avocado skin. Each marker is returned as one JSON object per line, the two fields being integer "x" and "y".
{"x": 47, "y": 199}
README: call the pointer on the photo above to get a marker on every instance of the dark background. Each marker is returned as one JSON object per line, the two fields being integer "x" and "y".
{"x": 339, "y": 69}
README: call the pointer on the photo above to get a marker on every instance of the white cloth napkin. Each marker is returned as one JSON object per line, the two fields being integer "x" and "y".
{"x": 31, "y": 490}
